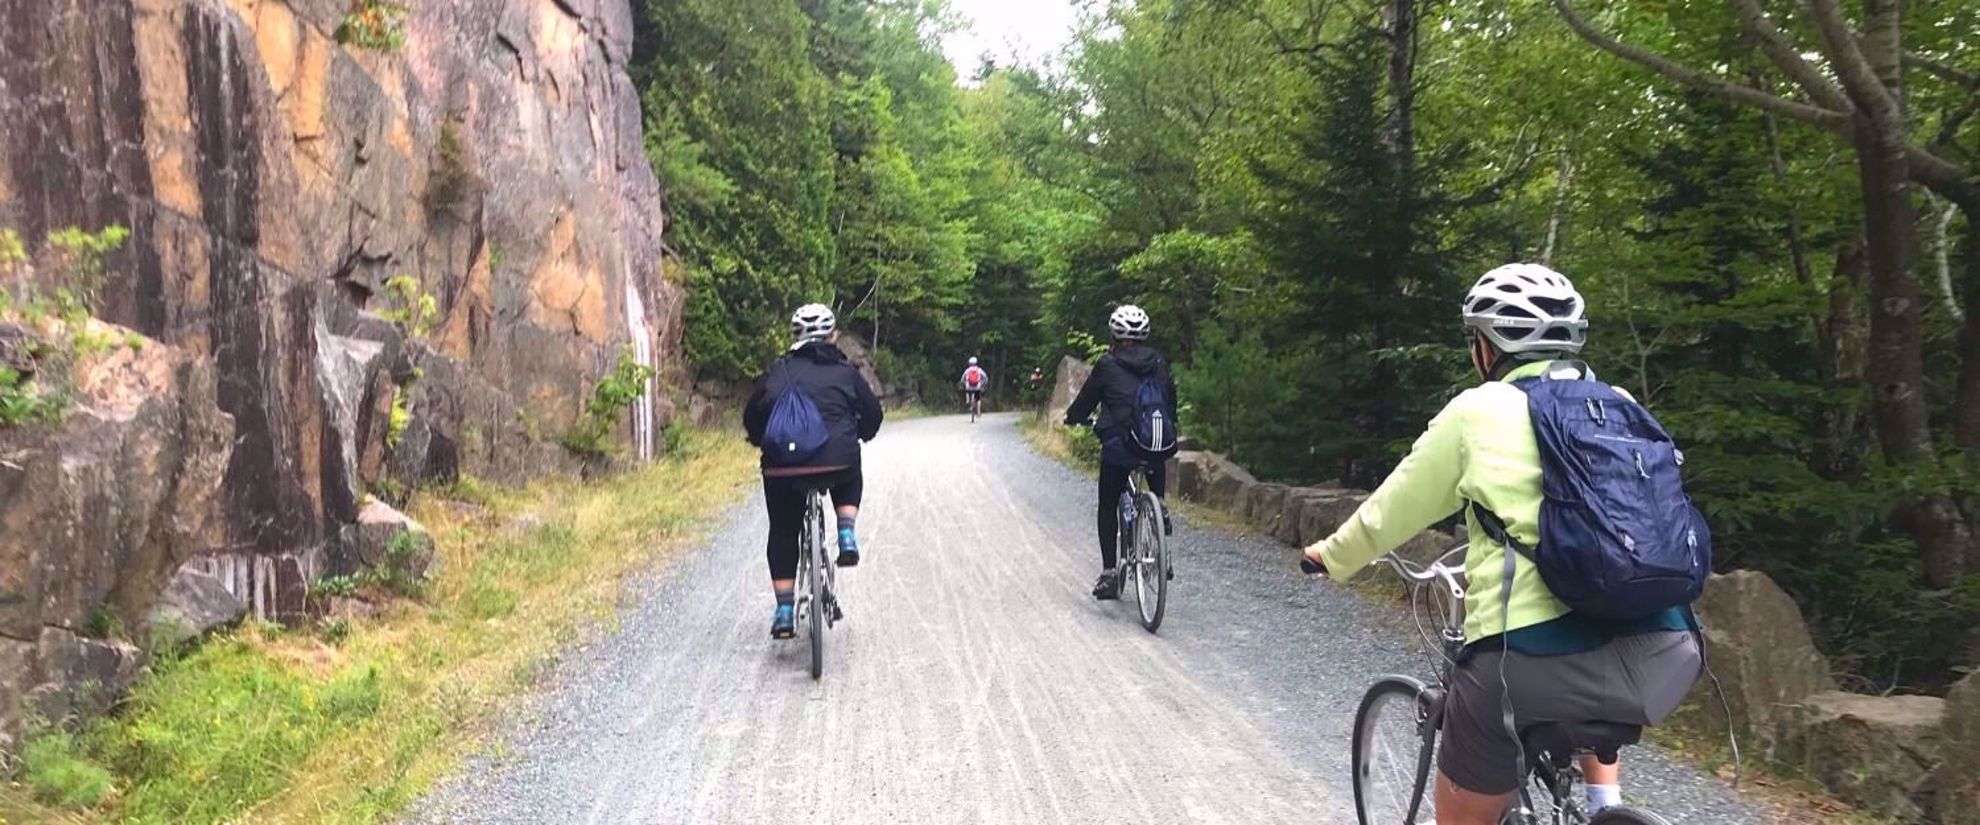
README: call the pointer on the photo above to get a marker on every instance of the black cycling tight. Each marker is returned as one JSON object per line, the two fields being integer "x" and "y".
{"x": 784, "y": 498}
{"x": 1113, "y": 480}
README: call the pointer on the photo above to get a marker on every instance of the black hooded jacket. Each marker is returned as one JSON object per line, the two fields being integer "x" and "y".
{"x": 852, "y": 414}
{"x": 1112, "y": 385}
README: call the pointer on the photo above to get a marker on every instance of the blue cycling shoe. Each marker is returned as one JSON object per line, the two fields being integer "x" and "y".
{"x": 848, "y": 548}
{"x": 783, "y": 625}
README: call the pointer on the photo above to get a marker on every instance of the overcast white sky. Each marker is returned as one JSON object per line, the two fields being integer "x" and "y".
{"x": 1030, "y": 29}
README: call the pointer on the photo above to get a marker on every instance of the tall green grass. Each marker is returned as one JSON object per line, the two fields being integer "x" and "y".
{"x": 349, "y": 720}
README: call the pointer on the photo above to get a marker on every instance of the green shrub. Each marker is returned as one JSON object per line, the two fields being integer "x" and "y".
{"x": 83, "y": 254}
{"x": 400, "y": 416}
{"x": 395, "y": 574}
{"x": 327, "y": 587}
{"x": 677, "y": 439}
{"x": 21, "y": 402}
{"x": 410, "y": 308}
{"x": 450, "y": 181}
{"x": 378, "y": 25}
{"x": 55, "y": 769}
{"x": 104, "y": 623}
{"x": 336, "y": 631}
{"x": 1084, "y": 446}
{"x": 613, "y": 395}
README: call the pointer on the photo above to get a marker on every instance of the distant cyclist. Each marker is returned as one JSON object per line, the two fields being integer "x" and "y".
{"x": 1111, "y": 390}
{"x": 851, "y": 413}
{"x": 1521, "y": 321}
{"x": 973, "y": 382}
{"x": 1037, "y": 380}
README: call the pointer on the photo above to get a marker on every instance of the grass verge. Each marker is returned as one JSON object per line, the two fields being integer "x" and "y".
{"x": 350, "y": 719}
{"x": 1075, "y": 447}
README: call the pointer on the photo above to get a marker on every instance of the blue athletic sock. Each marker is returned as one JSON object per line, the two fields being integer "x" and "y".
{"x": 847, "y": 538}
{"x": 786, "y": 598}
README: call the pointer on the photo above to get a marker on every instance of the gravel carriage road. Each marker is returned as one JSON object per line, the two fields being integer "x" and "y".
{"x": 974, "y": 680}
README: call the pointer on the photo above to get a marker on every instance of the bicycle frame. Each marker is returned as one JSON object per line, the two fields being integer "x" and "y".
{"x": 1557, "y": 773}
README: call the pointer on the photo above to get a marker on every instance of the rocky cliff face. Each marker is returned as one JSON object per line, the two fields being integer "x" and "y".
{"x": 273, "y": 180}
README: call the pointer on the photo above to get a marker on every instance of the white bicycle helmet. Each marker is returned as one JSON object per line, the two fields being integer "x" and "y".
{"x": 1129, "y": 323}
{"x": 812, "y": 322}
{"x": 1523, "y": 308}
{"x": 972, "y": 360}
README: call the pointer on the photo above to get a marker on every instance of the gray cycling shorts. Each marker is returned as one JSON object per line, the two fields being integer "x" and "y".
{"x": 1633, "y": 680}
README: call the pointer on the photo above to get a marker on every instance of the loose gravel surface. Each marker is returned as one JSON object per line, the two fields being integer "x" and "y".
{"x": 973, "y": 681}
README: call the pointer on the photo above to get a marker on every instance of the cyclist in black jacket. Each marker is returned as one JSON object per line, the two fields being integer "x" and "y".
{"x": 1111, "y": 389}
{"x": 852, "y": 414}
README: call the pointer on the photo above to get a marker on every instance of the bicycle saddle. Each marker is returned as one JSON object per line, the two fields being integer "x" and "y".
{"x": 1561, "y": 740}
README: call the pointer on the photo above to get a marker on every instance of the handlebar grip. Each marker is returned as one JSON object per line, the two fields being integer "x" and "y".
{"x": 1311, "y": 567}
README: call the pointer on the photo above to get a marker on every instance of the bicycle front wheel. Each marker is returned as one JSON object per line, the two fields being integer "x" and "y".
{"x": 1394, "y": 742}
{"x": 1625, "y": 815}
{"x": 1151, "y": 570}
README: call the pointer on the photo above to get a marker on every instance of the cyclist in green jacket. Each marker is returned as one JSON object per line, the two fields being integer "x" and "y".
{"x": 1520, "y": 320}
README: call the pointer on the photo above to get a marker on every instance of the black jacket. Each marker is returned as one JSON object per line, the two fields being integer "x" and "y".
{"x": 1112, "y": 385}
{"x": 852, "y": 414}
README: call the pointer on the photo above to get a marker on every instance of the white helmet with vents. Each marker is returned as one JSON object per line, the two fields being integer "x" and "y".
{"x": 1129, "y": 323}
{"x": 1527, "y": 308}
{"x": 812, "y": 322}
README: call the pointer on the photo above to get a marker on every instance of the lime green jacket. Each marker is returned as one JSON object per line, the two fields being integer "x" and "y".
{"x": 1480, "y": 448}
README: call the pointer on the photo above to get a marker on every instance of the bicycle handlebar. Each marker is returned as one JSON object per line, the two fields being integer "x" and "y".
{"x": 1439, "y": 570}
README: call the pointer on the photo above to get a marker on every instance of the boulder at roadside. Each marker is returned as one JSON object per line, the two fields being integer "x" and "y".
{"x": 1876, "y": 752}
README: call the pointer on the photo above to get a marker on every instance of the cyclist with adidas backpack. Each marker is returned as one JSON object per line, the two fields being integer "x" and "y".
{"x": 1584, "y": 551}
{"x": 1135, "y": 395}
{"x": 808, "y": 413}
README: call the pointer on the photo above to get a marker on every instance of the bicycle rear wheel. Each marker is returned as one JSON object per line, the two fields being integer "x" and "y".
{"x": 1394, "y": 742}
{"x": 820, "y": 592}
{"x": 1151, "y": 570}
{"x": 1625, "y": 815}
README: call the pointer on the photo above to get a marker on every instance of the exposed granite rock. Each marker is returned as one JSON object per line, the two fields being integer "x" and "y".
{"x": 98, "y": 511}
{"x": 1066, "y": 381}
{"x": 1877, "y": 752}
{"x": 392, "y": 541}
{"x": 1759, "y": 647}
{"x": 1958, "y": 800}
{"x": 193, "y": 603}
{"x": 273, "y": 181}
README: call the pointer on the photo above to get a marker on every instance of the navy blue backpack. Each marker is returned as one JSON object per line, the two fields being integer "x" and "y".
{"x": 795, "y": 431}
{"x": 1619, "y": 539}
{"x": 1154, "y": 431}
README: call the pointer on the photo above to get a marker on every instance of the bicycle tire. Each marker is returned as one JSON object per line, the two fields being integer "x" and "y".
{"x": 1390, "y": 695}
{"x": 1151, "y": 569}
{"x": 1626, "y": 815}
{"x": 814, "y": 554}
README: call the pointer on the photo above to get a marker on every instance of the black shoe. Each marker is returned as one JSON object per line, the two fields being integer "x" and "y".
{"x": 1168, "y": 525}
{"x": 1108, "y": 588}
{"x": 848, "y": 558}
